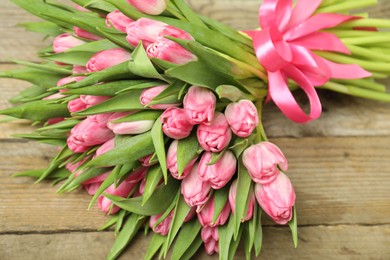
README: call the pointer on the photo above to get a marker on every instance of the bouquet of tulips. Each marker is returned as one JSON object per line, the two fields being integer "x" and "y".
{"x": 157, "y": 110}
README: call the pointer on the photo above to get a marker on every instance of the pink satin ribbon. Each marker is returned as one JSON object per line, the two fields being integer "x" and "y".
{"x": 284, "y": 47}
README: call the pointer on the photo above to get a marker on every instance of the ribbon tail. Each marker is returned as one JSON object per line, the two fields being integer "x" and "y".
{"x": 346, "y": 71}
{"x": 284, "y": 99}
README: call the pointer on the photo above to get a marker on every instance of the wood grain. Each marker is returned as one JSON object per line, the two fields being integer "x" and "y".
{"x": 323, "y": 242}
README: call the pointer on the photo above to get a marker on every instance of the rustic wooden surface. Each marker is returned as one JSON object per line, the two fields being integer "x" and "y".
{"x": 339, "y": 166}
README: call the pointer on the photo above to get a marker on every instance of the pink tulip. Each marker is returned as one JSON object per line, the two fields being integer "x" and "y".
{"x": 191, "y": 214}
{"x": 77, "y": 69}
{"x": 118, "y": 20}
{"x": 122, "y": 190}
{"x": 153, "y": 7}
{"x": 262, "y": 161}
{"x": 242, "y": 117}
{"x": 89, "y": 132}
{"x": 220, "y": 173}
{"x": 232, "y": 201}
{"x": 175, "y": 33}
{"x": 54, "y": 96}
{"x": 205, "y": 216}
{"x": 175, "y": 124}
{"x": 172, "y": 162}
{"x": 65, "y": 41}
{"x": 145, "y": 30}
{"x": 76, "y": 105}
{"x": 199, "y": 105}
{"x": 92, "y": 188}
{"x": 194, "y": 190}
{"x": 67, "y": 80}
{"x": 145, "y": 161}
{"x": 210, "y": 239}
{"x": 136, "y": 127}
{"x": 277, "y": 198}
{"x": 53, "y": 121}
{"x": 148, "y": 94}
{"x": 85, "y": 34}
{"x": 82, "y": 9}
{"x": 90, "y": 100}
{"x": 165, "y": 49}
{"x": 216, "y": 135}
{"x": 108, "y": 58}
{"x": 106, "y": 147}
{"x": 164, "y": 226}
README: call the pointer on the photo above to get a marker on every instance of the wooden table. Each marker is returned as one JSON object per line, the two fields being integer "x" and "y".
{"x": 339, "y": 165}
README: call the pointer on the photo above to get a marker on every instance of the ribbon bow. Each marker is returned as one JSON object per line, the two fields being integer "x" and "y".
{"x": 284, "y": 47}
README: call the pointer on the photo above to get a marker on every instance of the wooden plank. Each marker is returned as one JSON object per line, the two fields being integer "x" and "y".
{"x": 239, "y": 14}
{"x": 339, "y": 242}
{"x": 337, "y": 181}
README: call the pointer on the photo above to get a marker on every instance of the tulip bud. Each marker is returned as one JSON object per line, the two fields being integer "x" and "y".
{"x": 164, "y": 226}
{"x": 242, "y": 117}
{"x": 68, "y": 80}
{"x": 118, "y": 20}
{"x": 106, "y": 147}
{"x": 76, "y": 105}
{"x": 210, "y": 239}
{"x": 153, "y": 7}
{"x": 277, "y": 198}
{"x": 262, "y": 161}
{"x": 194, "y": 190}
{"x": 205, "y": 216}
{"x": 89, "y": 132}
{"x": 65, "y": 41}
{"x": 77, "y": 69}
{"x": 145, "y": 161}
{"x": 53, "y": 121}
{"x": 220, "y": 173}
{"x": 165, "y": 49}
{"x": 145, "y": 30}
{"x": 92, "y": 188}
{"x": 108, "y": 58}
{"x": 90, "y": 100}
{"x": 172, "y": 162}
{"x": 148, "y": 94}
{"x": 232, "y": 201}
{"x": 215, "y": 135}
{"x": 175, "y": 124}
{"x": 128, "y": 128}
{"x": 85, "y": 34}
{"x": 175, "y": 33}
{"x": 199, "y": 105}
{"x": 54, "y": 96}
{"x": 122, "y": 190}
{"x": 190, "y": 214}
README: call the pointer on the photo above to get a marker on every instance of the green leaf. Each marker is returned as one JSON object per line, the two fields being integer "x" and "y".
{"x": 58, "y": 174}
{"x": 112, "y": 88}
{"x": 155, "y": 244}
{"x": 159, "y": 147}
{"x": 188, "y": 236}
{"x": 187, "y": 150}
{"x": 93, "y": 47}
{"x": 75, "y": 57}
{"x": 123, "y": 102}
{"x": 66, "y": 124}
{"x": 39, "y": 110}
{"x": 110, "y": 179}
{"x": 244, "y": 183}
{"x": 251, "y": 229}
{"x": 121, "y": 216}
{"x": 117, "y": 72}
{"x": 131, "y": 148}
{"x": 192, "y": 249}
{"x": 153, "y": 178}
{"x": 95, "y": 5}
{"x": 225, "y": 234}
{"x": 47, "y": 67}
{"x": 29, "y": 94}
{"x": 158, "y": 202}
{"x": 259, "y": 231}
{"x": 130, "y": 229}
{"x": 232, "y": 93}
{"x": 191, "y": 16}
{"x": 139, "y": 116}
{"x": 239, "y": 145}
{"x": 112, "y": 221}
{"x": 181, "y": 212}
{"x": 220, "y": 199}
{"x": 34, "y": 76}
{"x": 56, "y": 161}
{"x": 294, "y": 228}
{"x": 234, "y": 245}
{"x": 74, "y": 182}
{"x": 215, "y": 157}
{"x": 116, "y": 37}
{"x": 141, "y": 64}
{"x": 46, "y": 28}
{"x": 197, "y": 74}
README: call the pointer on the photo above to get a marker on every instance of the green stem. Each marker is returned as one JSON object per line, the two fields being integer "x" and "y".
{"x": 346, "y": 33}
{"x": 356, "y": 91}
{"x": 366, "y": 40}
{"x": 259, "y": 128}
{"x": 379, "y": 23}
{"x": 369, "y": 54}
{"x": 364, "y": 83}
{"x": 346, "y": 6}
{"x": 173, "y": 11}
